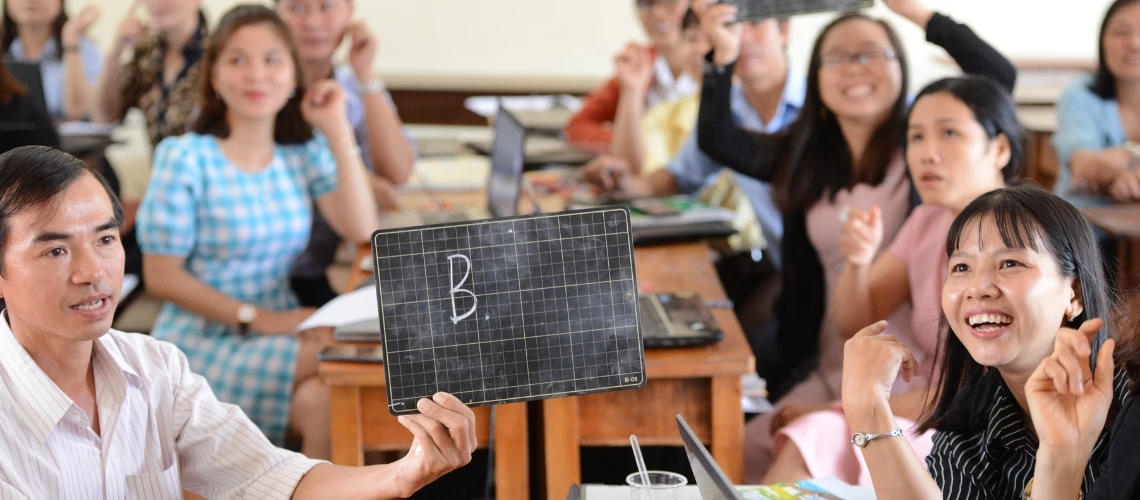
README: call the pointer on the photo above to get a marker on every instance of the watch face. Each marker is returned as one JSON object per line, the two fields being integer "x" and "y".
{"x": 859, "y": 440}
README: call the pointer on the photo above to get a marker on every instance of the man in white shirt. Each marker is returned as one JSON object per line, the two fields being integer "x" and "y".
{"x": 90, "y": 412}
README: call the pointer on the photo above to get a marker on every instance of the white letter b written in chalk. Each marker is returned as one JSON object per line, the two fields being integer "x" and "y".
{"x": 458, "y": 288}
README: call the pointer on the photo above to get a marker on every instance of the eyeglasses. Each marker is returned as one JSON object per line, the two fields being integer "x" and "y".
{"x": 867, "y": 58}
{"x": 649, "y": 4}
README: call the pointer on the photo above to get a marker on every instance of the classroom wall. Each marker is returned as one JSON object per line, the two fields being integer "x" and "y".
{"x": 450, "y": 43}
{"x": 569, "y": 44}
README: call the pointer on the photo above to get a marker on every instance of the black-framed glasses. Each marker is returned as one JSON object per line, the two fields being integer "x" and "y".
{"x": 649, "y": 4}
{"x": 865, "y": 58}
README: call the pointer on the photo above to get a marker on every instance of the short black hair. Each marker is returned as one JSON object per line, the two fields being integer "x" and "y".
{"x": 993, "y": 109}
{"x": 32, "y": 176}
{"x": 1026, "y": 216}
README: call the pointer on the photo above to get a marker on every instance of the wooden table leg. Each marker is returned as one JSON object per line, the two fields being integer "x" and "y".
{"x": 728, "y": 426}
{"x": 347, "y": 433}
{"x": 561, "y": 433}
{"x": 512, "y": 475}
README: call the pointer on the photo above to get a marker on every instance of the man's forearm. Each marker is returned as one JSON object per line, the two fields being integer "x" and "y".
{"x": 349, "y": 483}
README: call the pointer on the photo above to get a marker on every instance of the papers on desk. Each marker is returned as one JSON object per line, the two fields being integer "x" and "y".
{"x": 349, "y": 308}
{"x": 455, "y": 173}
{"x": 488, "y": 106}
{"x": 85, "y": 128}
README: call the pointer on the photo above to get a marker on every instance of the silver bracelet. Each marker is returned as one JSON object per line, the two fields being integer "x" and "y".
{"x": 373, "y": 86}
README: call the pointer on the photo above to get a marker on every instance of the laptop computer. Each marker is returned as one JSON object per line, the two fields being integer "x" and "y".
{"x": 503, "y": 184}
{"x": 712, "y": 482}
{"x": 677, "y": 320}
{"x": 29, "y": 75}
{"x": 16, "y": 134}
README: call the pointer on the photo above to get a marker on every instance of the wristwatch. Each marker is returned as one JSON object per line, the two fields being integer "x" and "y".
{"x": 1133, "y": 150}
{"x": 373, "y": 86}
{"x": 1028, "y": 493}
{"x": 246, "y": 315}
{"x": 861, "y": 439}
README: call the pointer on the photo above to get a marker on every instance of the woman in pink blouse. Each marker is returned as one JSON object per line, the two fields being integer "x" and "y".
{"x": 963, "y": 140}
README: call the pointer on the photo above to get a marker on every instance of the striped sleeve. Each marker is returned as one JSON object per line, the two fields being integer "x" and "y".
{"x": 949, "y": 464}
{"x": 223, "y": 454}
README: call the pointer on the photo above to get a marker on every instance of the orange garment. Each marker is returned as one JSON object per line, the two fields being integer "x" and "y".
{"x": 591, "y": 126}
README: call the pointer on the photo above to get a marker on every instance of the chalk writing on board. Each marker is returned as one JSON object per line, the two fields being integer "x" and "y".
{"x": 459, "y": 288}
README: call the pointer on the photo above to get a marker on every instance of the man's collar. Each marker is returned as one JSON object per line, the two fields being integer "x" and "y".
{"x": 39, "y": 401}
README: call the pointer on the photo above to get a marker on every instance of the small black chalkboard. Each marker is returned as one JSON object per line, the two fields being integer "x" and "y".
{"x": 751, "y": 10}
{"x": 511, "y": 309}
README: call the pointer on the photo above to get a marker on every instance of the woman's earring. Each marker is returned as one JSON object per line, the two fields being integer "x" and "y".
{"x": 293, "y": 93}
{"x": 1072, "y": 316}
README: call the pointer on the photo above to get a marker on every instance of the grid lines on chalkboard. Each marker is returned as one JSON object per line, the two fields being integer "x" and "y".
{"x": 765, "y": 9}
{"x": 516, "y": 309}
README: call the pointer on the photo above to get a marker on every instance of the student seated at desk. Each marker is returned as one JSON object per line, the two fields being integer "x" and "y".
{"x": 591, "y": 126}
{"x": 1024, "y": 283}
{"x": 963, "y": 140}
{"x": 319, "y": 27}
{"x": 229, "y": 208}
{"x": 647, "y": 138}
{"x": 164, "y": 74}
{"x": 17, "y": 110}
{"x": 88, "y": 412}
{"x": 768, "y": 98}
{"x": 842, "y": 153}
{"x": 70, "y": 63}
{"x": 1098, "y": 119}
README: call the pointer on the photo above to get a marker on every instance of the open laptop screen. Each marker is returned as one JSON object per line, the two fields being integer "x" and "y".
{"x": 711, "y": 481}
{"x": 506, "y": 165}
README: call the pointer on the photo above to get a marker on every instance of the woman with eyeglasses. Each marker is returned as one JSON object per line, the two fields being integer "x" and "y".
{"x": 591, "y": 127}
{"x": 844, "y": 153}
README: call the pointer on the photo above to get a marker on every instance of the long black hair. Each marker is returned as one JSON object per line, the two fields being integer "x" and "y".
{"x": 993, "y": 109}
{"x": 816, "y": 159}
{"x": 9, "y": 31}
{"x": 1026, "y": 216}
{"x": 1104, "y": 82}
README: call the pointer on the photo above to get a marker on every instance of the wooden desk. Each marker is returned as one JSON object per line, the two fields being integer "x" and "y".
{"x": 1040, "y": 159}
{"x": 360, "y": 422}
{"x": 701, "y": 383}
{"x": 1122, "y": 223}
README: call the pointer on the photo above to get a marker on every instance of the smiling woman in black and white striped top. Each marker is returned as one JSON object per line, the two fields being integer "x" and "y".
{"x": 1024, "y": 276}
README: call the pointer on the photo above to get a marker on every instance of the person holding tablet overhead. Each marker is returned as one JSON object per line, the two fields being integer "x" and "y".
{"x": 319, "y": 27}
{"x": 40, "y": 31}
{"x": 163, "y": 75}
{"x": 229, "y": 208}
{"x": 591, "y": 126}
{"x": 1098, "y": 119}
{"x": 843, "y": 153}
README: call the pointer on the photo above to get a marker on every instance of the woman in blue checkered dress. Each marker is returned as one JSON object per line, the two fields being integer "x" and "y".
{"x": 229, "y": 208}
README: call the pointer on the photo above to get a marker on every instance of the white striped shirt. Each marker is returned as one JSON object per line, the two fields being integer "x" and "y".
{"x": 998, "y": 462}
{"x": 161, "y": 431}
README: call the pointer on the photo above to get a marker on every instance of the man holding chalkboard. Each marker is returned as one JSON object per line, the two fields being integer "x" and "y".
{"x": 88, "y": 412}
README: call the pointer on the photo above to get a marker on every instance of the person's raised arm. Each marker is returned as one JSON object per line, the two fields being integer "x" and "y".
{"x": 444, "y": 440}
{"x": 1068, "y": 405}
{"x": 392, "y": 155}
{"x": 871, "y": 363}
{"x": 77, "y": 91}
{"x": 869, "y": 289}
{"x": 634, "y": 68}
{"x": 110, "y": 104}
{"x": 350, "y": 207}
{"x": 973, "y": 55}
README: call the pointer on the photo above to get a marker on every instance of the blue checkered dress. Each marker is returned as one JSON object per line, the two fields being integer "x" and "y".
{"x": 239, "y": 233}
